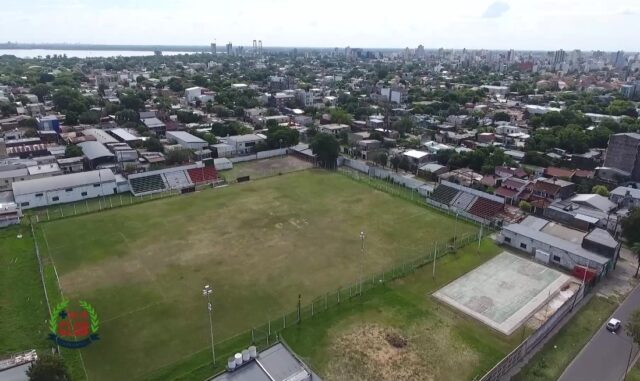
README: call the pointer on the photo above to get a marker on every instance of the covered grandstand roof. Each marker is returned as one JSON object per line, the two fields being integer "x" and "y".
{"x": 62, "y": 182}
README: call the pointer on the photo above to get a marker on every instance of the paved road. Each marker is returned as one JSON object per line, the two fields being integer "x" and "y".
{"x": 605, "y": 357}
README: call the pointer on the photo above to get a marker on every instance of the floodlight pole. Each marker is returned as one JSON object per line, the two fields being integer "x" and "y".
{"x": 207, "y": 291}
{"x": 362, "y": 237}
{"x": 455, "y": 232}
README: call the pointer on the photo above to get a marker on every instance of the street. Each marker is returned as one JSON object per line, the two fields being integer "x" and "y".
{"x": 606, "y": 355}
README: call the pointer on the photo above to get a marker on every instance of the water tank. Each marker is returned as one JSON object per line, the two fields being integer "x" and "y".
{"x": 245, "y": 355}
{"x": 238, "y": 358}
{"x": 231, "y": 363}
{"x": 252, "y": 352}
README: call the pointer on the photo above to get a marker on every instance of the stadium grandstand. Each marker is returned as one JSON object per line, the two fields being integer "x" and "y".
{"x": 175, "y": 178}
{"x": 475, "y": 204}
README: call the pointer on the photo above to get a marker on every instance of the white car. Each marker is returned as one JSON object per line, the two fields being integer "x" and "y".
{"x": 613, "y": 325}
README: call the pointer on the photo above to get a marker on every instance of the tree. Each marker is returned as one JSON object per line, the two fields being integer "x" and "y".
{"x": 41, "y": 90}
{"x": 524, "y": 206}
{"x": 178, "y": 156}
{"x": 326, "y": 148}
{"x": 382, "y": 159}
{"x": 8, "y": 109}
{"x": 127, "y": 115}
{"x": 633, "y": 326}
{"x": 73, "y": 150}
{"x": 48, "y": 368}
{"x": 131, "y": 101}
{"x": 28, "y": 123}
{"x": 175, "y": 84}
{"x": 404, "y": 125}
{"x": 339, "y": 115}
{"x": 69, "y": 99}
{"x": 635, "y": 248}
{"x": 71, "y": 118}
{"x": 153, "y": 144}
{"x": 280, "y": 136}
{"x": 89, "y": 117}
{"x": 187, "y": 117}
{"x": 601, "y": 190}
{"x": 501, "y": 116}
{"x": 631, "y": 226}
{"x": 395, "y": 162}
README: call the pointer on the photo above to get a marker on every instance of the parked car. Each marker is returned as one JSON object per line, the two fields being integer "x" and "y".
{"x": 613, "y": 325}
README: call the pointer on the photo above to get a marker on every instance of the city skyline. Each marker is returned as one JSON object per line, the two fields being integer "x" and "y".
{"x": 494, "y": 25}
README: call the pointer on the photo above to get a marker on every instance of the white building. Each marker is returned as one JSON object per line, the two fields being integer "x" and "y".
{"x": 539, "y": 110}
{"x": 334, "y": 129}
{"x": 195, "y": 93}
{"x": 64, "y": 188}
{"x": 9, "y": 214}
{"x": 187, "y": 140}
{"x": 244, "y": 144}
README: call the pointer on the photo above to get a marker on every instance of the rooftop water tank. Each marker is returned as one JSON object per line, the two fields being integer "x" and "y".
{"x": 238, "y": 358}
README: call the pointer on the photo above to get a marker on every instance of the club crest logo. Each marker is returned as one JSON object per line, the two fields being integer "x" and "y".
{"x": 71, "y": 328}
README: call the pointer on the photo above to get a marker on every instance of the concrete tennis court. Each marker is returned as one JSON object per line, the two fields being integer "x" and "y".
{"x": 504, "y": 292}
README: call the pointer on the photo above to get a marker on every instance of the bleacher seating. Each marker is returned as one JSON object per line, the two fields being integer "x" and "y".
{"x": 486, "y": 208}
{"x": 203, "y": 175}
{"x": 177, "y": 179}
{"x": 464, "y": 200}
{"x": 444, "y": 194}
{"x": 147, "y": 184}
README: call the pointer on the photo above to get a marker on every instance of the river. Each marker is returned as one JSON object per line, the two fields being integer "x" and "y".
{"x": 30, "y": 53}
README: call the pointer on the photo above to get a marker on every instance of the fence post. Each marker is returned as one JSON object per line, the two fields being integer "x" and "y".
{"x": 326, "y": 297}
{"x": 338, "y": 295}
{"x": 253, "y": 337}
{"x": 110, "y": 203}
{"x": 48, "y": 218}
{"x": 130, "y": 199}
{"x": 61, "y": 212}
{"x": 74, "y": 210}
{"x": 284, "y": 320}
{"x": 311, "y": 309}
{"x": 86, "y": 202}
{"x": 120, "y": 200}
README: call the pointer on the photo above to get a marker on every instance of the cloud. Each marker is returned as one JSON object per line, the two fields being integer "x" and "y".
{"x": 496, "y": 9}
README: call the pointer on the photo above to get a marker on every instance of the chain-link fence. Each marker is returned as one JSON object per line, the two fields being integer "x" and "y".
{"x": 93, "y": 205}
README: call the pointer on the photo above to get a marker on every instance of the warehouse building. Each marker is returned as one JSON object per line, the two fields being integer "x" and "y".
{"x": 535, "y": 238}
{"x": 187, "y": 140}
{"x": 96, "y": 154}
{"x": 64, "y": 188}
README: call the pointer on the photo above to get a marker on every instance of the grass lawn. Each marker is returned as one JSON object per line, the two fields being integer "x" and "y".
{"x": 23, "y": 309}
{"x": 352, "y": 341}
{"x": 259, "y": 244}
{"x": 634, "y": 373}
{"x": 555, "y": 356}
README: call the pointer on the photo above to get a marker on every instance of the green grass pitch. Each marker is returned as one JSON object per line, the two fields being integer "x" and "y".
{"x": 259, "y": 244}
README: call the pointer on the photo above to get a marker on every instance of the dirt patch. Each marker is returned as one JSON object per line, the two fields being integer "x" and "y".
{"x": 375, "y": 352}
{"x": 366, "y": 353}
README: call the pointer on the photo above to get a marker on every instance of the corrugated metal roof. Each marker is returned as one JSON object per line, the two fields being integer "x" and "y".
{"x": 94, "y": 150}
{"x": 61, "y": 182}
{"x": 554, "y": 241}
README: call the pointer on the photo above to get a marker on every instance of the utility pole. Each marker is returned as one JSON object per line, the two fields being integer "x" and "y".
{"x": 207, "y": 291}
{"x": 362, "y": 237}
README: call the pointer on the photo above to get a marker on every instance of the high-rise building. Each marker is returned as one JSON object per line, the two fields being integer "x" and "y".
{"x": 229, "y": 49}
{"x": 420, "y": 52}
{"x": 623, "y": 154}
{"x": 260, "y": 47}
{"x": 214, "y": 48}
{"x": 618, "y": 59}
{"x": 558, "y": 57}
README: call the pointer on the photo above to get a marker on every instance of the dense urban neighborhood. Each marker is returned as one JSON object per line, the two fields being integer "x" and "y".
{"x": 340, "y": 202}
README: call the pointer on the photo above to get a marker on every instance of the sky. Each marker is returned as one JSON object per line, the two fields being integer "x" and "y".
{"x": 503, "y": 24}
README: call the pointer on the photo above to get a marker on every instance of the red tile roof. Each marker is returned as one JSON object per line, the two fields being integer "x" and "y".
{"x": 559, "y": 172}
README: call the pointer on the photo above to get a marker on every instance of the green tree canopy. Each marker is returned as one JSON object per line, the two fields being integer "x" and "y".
{"x": 631, "y": 226}
{"x": 127, "y": 115}
{"x": 601, "y": 190}
{"x": 153, "y": 144}
{"x": 48, "y": 368}
{"x": 327, "y": 149}
{"x": 73, "y": 150}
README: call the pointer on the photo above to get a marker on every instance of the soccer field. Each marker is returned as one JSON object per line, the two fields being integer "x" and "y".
{"x": 259, "y": 244}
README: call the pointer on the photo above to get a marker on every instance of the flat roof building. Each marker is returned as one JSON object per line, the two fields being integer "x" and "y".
{"x": 64, "y": 188}
{"x": 187, "y": 140}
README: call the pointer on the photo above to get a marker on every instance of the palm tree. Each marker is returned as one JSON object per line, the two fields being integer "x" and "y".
{"x": 635, "y": 248}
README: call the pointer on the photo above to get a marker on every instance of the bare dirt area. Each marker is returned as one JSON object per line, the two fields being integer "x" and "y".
{"x": 265, "y": 168}
{"x": 621, "y": 281}
{"x": 379, "y": 353}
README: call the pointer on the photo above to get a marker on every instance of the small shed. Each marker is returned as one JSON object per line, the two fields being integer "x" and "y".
{"x": 222, "y": 163}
